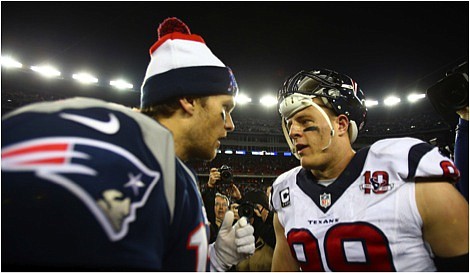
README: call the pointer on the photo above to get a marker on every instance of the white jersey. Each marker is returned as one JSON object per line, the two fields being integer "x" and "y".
{"x": 367, "y": 220}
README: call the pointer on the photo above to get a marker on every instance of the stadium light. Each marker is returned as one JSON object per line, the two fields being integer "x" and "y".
{"x": 415, "y": 97}
{"x": 121, "y": 84}
{"x": 85, "y": 78}
{"x": 46, "y": 71}
{"x": 392, "y": 101}
{"x": 371, "y": 103}
{"x": 268, "y": 101}
{"x": 9, "y": 62}
{"x": 243, "y": 99}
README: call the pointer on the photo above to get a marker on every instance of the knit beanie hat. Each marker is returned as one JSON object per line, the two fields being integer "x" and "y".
{"x": 182, "y": 65}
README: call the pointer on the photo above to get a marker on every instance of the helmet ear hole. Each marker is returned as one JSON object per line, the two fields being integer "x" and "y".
{"x": 352, "y": 131}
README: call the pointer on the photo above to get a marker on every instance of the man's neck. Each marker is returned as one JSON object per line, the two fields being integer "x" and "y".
{"x": 179, "y": 141}
{"x": 336, "y": 167}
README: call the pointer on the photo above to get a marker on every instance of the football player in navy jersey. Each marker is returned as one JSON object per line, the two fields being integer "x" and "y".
{"x": 90, "y": 185}
{"x": 388, "y": 207}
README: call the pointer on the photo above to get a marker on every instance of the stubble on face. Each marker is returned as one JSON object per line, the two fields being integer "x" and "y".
{"x": 208, "y": 129}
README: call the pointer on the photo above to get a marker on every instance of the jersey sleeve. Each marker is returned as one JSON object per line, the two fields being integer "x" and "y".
{"x": 433, "y": 166}
{"x": 414, "y": 160}
{"x": 280, "y": 189}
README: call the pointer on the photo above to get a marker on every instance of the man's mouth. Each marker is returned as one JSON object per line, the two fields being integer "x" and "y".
{"x": 219, "y": 141}
{"x": 300, "y": 147}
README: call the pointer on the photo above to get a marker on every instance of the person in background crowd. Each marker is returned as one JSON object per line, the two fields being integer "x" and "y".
{"x": 268, "y": 192}
{"x": 234, "y": 208}
{"x": 94, "y": 186}
{"x": 209, "y": 190}
{"x": 221, "y": 206}
{"x": 461, "y": 151}
{"x": 387, "y": 207}
{"x": 262, "y": 221}
{"x": 449, "y": 96}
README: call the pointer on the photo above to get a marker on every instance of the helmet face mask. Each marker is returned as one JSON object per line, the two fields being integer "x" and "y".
{"x": 337, "y": 91}
{"x": 322, "y": 80}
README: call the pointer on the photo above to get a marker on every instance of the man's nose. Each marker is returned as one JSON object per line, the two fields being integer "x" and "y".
{"x": 229, "y": 125}
{"x": 295, "y": 131}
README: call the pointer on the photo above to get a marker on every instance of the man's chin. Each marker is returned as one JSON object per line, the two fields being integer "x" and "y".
{"x": 206, "y": 155}
{"x": 213, "y": 155}
{"x": 305, "y": 162}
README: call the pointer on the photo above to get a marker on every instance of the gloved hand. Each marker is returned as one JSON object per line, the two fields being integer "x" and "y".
{"x": 233, "y": 244}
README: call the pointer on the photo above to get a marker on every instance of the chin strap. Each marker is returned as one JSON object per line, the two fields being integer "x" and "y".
{"x": 332, "y": 131}
{"x": 352, "y": 131}
{"x": 289, "y": 140}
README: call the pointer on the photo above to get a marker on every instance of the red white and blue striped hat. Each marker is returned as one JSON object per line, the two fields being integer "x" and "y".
{"x": 181, "y": 65}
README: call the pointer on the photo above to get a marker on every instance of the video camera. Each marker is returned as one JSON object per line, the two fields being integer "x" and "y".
{"x": 248, "y": 204}
{"x": 246, "y": 209}
{"x": 450, "y": 93}
{"x": 226, "y": 175}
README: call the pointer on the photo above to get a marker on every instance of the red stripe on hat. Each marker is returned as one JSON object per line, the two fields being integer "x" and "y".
{"x": 175, "y": 36}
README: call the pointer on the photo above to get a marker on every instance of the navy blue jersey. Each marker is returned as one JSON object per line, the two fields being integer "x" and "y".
{"x": 93, "y": 185}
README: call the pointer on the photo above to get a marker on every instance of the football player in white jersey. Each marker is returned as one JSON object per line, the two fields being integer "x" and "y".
{"x": 387, "y": 207}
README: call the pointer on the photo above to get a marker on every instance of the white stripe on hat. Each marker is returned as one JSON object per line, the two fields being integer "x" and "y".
{"x": 178, "y": 53}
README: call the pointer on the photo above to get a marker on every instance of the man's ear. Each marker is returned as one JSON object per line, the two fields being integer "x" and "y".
{"x": 188, "y": 105}
{"x": 343, "y": 124}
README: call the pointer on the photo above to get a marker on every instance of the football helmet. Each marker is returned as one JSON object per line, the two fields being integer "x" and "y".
{"x": 337, "y": 91}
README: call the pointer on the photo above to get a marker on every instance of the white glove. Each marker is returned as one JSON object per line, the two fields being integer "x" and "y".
{"x": 233, "y": 244}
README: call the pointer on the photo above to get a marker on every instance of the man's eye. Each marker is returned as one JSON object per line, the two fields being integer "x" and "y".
{"x": 307, "y": 121}
{"x": 224, "y": 116}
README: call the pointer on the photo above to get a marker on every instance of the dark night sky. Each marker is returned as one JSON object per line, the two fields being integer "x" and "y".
{"x": 387, "y": 47}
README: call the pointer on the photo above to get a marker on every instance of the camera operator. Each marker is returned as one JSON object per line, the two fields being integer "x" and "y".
{"x": 254, "y": 206}
{"x": 449, "y": 96}
{"x": 461, "y": 151}
{"x": 224, "y": 176}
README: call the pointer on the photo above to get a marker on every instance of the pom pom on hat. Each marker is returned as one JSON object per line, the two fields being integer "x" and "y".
{"x": 182, "y": 65}
{"x": 171, "y": 25}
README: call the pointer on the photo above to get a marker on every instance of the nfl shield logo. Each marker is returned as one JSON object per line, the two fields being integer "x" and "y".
{"x": 325, "y": 200}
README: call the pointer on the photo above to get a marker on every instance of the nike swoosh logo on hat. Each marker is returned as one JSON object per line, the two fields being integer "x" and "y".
{"x": 107, "y": 127}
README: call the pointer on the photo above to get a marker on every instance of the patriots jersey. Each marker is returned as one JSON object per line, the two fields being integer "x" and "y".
{"x": 367, "y": 219}
{"x": 90, "y": 185}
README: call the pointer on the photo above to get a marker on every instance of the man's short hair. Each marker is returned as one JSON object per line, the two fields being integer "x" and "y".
{"x": 169, "y": 107}
{"x": 224, "y": 197}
